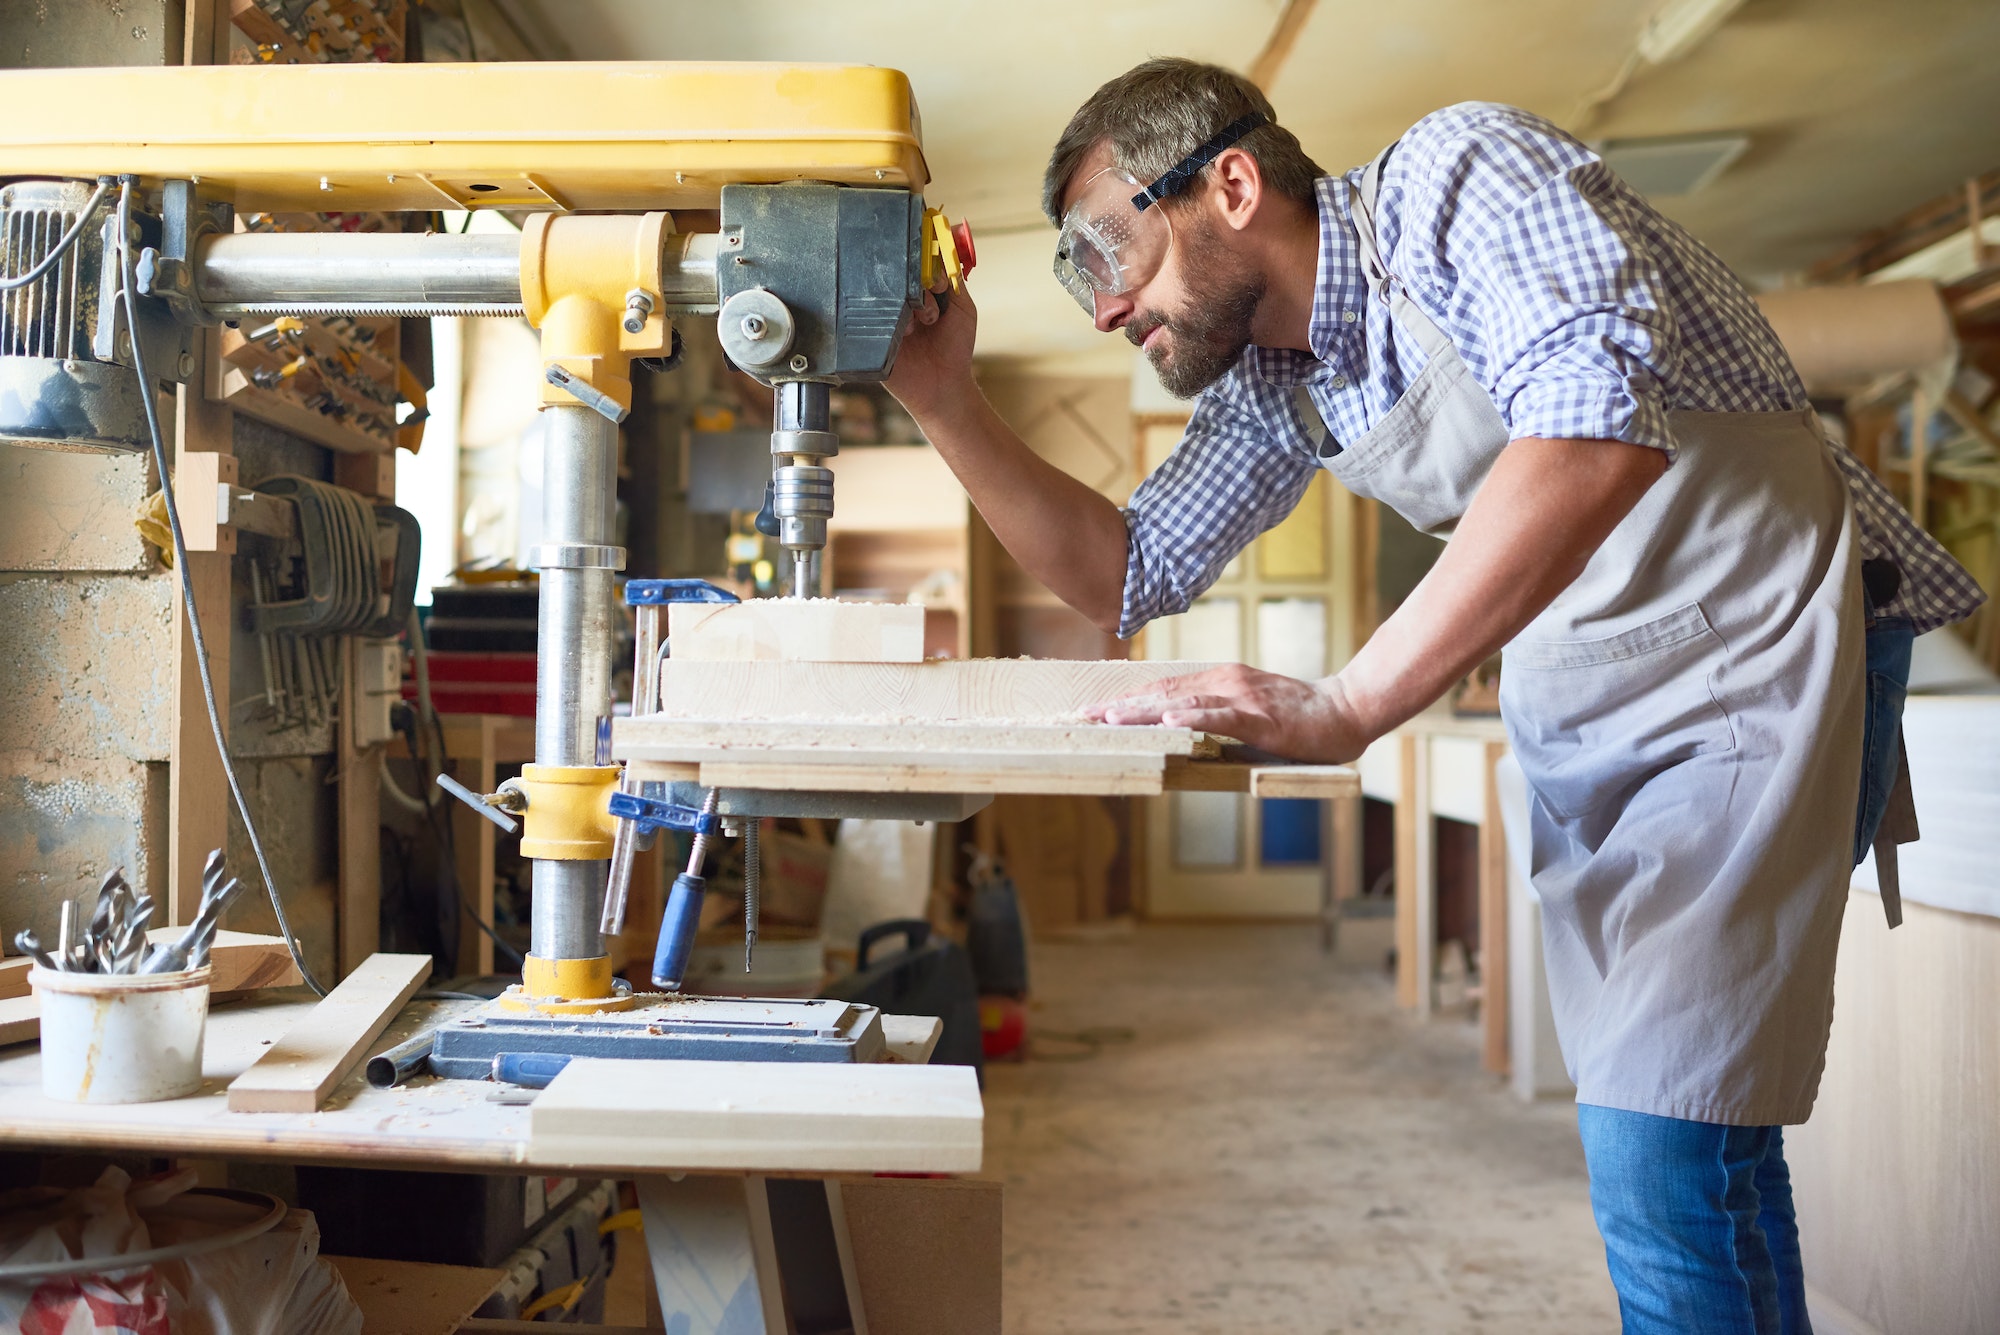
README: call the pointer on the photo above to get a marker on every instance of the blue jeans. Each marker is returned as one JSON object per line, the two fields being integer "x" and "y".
{"x": 1697, "y": 1224}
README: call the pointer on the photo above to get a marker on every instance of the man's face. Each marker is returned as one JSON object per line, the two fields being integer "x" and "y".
{"x": 1193, "y": 317}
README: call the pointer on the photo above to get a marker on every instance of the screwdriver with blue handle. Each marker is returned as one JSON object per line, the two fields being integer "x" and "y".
{"x": 683, "y": 916}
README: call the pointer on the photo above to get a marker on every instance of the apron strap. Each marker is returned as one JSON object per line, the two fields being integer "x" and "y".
{"x": 1383, "y": 284}
{"x": 1899, "y": 826}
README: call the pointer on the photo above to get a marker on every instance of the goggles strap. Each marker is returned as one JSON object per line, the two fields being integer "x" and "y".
{"x": 1181, "y": 174}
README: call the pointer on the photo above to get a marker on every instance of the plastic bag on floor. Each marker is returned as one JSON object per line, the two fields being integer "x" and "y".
{"x": 271, "y": 1284}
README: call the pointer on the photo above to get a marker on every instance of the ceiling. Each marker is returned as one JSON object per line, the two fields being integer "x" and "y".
{"x": 1856, "y": 109}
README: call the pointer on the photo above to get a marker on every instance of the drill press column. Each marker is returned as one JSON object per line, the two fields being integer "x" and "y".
{"x": 573, "y": 679}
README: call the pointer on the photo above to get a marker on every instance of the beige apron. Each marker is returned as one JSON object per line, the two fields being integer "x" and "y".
{"x": 1688, "y": 715}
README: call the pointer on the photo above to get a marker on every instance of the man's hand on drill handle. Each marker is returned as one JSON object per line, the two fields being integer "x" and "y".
{"x": 933, "y": 371}
{"x": 1300, "y": 720}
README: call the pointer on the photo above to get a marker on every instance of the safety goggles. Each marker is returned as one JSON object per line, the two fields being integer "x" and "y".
{"x": 1112, "y": 239}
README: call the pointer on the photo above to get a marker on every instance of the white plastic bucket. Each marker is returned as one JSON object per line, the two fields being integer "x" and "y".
{"x": 121, "y": 1038}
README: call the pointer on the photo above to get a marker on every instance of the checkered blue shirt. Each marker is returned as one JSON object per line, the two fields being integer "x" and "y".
{"x": 1579, "y": 308}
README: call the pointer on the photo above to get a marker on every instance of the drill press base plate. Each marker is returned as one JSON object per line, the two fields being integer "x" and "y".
{"x": 662, "y": 1027}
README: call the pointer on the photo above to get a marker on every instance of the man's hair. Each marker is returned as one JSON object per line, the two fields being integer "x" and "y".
{"x": 1157, "y": 113}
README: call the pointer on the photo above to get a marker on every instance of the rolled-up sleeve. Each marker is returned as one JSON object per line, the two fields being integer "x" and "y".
{"x": 1525, "y": 235}
{"x": 1230, "y": 478}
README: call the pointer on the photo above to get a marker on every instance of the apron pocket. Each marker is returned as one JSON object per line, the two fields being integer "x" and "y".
{"x": 1592, "y": 720}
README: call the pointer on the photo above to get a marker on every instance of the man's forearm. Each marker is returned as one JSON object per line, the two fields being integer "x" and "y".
{"x": 1543, "y": 510}
{"x": 1060, "y": 531}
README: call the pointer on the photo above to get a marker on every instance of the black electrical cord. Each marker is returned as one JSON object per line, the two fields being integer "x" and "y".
{"x": 148, "y": 398}
{"x": 63, "y": 243}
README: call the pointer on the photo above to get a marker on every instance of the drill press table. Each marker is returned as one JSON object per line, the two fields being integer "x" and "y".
{"x": 710, "y": 1236}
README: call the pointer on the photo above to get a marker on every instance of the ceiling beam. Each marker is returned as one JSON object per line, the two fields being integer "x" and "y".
{"x": 1264, "y": 70}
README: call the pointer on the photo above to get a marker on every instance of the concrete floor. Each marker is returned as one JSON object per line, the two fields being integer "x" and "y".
{"x": 1276, "y": 1148}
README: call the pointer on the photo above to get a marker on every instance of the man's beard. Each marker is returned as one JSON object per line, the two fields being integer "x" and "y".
{"x": 1209, "y": 336}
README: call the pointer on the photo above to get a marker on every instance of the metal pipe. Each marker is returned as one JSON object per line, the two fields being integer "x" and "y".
{"x": 245, "y": 274}
{"x": 275, "y": 273}
{"x": 567, "y": 903}
{"x": 573, "y": 674}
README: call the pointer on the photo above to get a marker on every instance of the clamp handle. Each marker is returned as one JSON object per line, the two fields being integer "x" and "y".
{"x": 660, "y": 592}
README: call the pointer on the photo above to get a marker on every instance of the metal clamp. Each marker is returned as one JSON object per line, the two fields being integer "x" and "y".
{"x": 657, "y": 813}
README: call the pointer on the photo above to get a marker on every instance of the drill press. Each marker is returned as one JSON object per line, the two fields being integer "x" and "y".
{"x": 823, "y": 250}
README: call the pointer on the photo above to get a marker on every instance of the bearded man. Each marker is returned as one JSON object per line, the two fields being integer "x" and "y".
{"x": 1706, "y": 607}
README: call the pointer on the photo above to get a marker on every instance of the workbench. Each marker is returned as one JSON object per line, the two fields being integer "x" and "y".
{"x": 1439, "y": 764}
{"x": 709, "y": 1232}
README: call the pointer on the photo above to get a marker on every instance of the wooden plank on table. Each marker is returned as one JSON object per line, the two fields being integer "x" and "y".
{"x": 489, "y": 1325}
{"x": 799, "y": 630}
{"x": 910, "y": 1039}
{"x": 1304, "y": 781}
{"x": 760, "y": 1116}
{"x": 911, "y": 772}
{"x": 317, "y": 1051}
{"x": 1011, "y": 689}
{"x": 661, "y": 737}
{"x": 413, "y": 1297}
{"x": 926, "y": 1254}
{"x": 1261, "y": 779}
{"x": 20, "y": 1020}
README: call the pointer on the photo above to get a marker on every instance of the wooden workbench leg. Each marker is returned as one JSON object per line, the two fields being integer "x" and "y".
{"x": 1493, "y": 986}
{"x": 714, "y": 1264}
{"x": 197, "y": 791}
{"x": 1416, "y": 879}
{"x": 1344, "y": 852}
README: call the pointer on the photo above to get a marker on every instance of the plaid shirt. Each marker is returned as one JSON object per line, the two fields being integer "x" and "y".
{"x": 1582, "y": 311}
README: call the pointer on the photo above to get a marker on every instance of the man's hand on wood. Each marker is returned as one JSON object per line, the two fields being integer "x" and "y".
{"x": 1300, "y": 720}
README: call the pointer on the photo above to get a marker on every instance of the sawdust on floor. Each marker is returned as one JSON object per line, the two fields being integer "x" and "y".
{"x": 1275, "y": 1148}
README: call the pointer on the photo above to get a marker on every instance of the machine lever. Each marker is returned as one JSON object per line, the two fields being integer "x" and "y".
{"x": 589, "y": 395}
{"x": 487, "y": 806}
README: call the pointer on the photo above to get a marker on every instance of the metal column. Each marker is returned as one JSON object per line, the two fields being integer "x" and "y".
{"x": 573, "y": 678}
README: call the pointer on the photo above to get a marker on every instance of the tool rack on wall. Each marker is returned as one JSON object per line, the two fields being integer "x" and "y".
{"x": 331, "y": 380}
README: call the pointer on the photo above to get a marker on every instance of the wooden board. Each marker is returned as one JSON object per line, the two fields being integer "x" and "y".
{"x": 413, "y": 1297}
{"x": 927, "y": 1254}
{"x": 20, "y": 1020}
{"x": 802, "y": 630}
{"x": 662, "y": 737}
{"x": 882, "y": 1117}
{"x": 911, "y": 1039}
{"x": 993, "y": 689}
{"x": 1261, "y": 779}
{"x": 316, "y": 1052}
{"x": 965, "y": 772}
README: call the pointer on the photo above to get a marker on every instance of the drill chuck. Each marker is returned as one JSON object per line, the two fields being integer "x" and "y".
{"x": 802, "y": 499}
